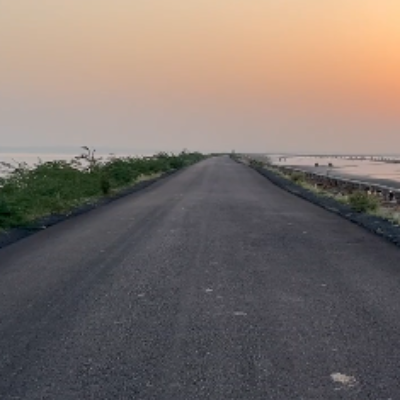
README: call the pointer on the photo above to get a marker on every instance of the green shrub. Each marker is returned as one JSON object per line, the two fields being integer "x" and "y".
{"x": 121, "y": 172}
{"x": 105, "y": 185}
{"x": 256, "y": 163}
{"x": 297, "y": 177}
{"x": 177, "y": 162}
{"x": 57, "y": 186}
{"x": 362, "y": 202}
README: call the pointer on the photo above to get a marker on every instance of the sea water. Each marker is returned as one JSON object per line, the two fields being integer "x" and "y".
{"x": 348, "y": 167}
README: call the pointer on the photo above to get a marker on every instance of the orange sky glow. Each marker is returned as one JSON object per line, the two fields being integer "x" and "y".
{"x": 339, "y": 56}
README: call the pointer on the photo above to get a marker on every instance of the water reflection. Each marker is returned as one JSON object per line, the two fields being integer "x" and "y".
{"x": 366, "y": 169}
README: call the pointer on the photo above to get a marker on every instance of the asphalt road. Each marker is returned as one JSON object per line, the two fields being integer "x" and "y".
{"x": 210, "y": 284}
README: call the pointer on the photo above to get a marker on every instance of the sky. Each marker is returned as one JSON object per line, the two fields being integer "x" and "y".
{"x": 208, "y": 75}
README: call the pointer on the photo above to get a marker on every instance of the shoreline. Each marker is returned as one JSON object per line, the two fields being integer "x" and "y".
{"x": 375, "y": 224}
{"x": 336, "y": 173}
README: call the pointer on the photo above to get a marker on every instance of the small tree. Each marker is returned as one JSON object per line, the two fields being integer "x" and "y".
{"x": 89, "y": 157}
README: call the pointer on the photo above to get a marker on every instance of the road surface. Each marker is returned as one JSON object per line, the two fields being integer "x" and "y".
{"x": 210, "y": 284}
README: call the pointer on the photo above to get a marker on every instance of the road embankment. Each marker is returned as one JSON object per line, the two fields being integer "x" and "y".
{"x": 10, "y": 236}
{"x": 375, "y": 224}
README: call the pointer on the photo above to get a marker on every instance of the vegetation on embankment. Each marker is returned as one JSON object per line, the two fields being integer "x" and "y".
{"x": 358, "y": 207}
{"x": 30, "y": 193}
{"x": 359, "y": 201}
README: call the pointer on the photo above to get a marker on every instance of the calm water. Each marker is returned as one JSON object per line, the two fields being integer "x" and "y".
{"x": 32, "y": 159}
{"x": 358, "y": 169}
